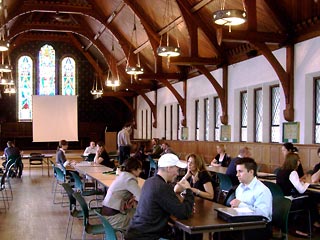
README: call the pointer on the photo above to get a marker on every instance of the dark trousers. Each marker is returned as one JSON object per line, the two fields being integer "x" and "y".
{"x": 124, "y": 153}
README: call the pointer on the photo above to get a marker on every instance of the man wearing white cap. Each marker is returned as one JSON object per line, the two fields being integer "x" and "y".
{"x": 158, "y": 202}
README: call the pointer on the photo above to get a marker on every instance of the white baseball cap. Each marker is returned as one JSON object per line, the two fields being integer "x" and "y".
{"x": 170, "y": 159}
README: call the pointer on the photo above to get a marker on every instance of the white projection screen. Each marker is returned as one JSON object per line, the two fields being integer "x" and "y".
{"x": 54, "y": 118}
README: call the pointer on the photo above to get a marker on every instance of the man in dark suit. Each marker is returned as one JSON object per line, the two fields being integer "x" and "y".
{"x": 231, "y": 170}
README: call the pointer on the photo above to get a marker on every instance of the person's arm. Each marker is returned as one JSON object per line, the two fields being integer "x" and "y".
{"x": 177, "y": 187}
{"x": 315, "y": 177}
{"x": 86, "y": 151}
{"x": 134, "y": 188}
{"x": 215, "y": 161}
{"x": 262, "y": 203}
{"x": 171, "y": 204}
{"x": 300, "y": 186}
{"x": 208, "y": 193}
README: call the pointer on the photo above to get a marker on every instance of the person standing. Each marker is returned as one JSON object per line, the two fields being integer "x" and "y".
{"x": 158, "y": 202}
{"x": 124, "y": 143}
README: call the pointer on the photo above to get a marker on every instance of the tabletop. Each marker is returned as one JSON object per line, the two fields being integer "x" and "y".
{"x": 205, "y": 219}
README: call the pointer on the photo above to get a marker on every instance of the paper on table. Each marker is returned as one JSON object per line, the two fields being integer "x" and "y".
{"x": 244, "y": 210}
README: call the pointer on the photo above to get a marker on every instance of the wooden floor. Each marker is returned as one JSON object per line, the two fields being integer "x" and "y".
{"x": 32, "y": 215}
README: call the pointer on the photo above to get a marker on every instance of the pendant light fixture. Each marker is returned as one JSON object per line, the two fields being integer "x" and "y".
{"x": 113, "y": 80}
{"x": 97, "y": 88}
{"x": 166, "y": 48}
{"x": 134, "y": 71}
{"x": 230, "y": 17}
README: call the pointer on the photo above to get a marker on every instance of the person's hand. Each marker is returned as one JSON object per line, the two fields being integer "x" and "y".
{"x": 184, "y": 184}
{"x": 235, "y": 203}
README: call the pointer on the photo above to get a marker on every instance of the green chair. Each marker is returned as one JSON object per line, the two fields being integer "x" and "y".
{"x": 280, "y": 214}
{"x": 88, "y": 228}
{"x": 225, "y": 184}
{"x": 275, "y": 189}
{"x": 60, "y": 177}
{"x": 109, "y": 231}
{"x": 73, "y": 211}
{"x": 153, "y": 166}
{"x": 4, "y": 197}
{"x": 80, "y": 186}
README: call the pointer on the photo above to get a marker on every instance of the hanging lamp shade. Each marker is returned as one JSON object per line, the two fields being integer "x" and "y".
{"x": 134, "y": 70}
{"x": 4, "y": 45}
{"x": 230, "y": 17}
{"x": 96, "y": 89}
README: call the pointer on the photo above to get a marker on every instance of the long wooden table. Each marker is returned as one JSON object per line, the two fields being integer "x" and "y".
{"x": 204, "y": 219}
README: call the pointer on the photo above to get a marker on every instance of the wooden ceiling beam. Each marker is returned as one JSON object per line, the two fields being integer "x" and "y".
{"x": 118, "y": 94}
{"x": 279, "y": 16}
{"x": 195, "y": 18}
{"x": 191, "y": 61}
{"x": 157, "y": 76}
{"x": 251, "y": 8}
{"x": 248, "y": 36}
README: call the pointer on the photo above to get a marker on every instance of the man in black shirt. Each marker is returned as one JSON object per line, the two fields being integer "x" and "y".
{"x": 158, "y": 202}
{"x": 11, "y": 151}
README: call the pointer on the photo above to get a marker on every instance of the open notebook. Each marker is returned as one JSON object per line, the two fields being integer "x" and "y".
{"x": 238, "y": 215}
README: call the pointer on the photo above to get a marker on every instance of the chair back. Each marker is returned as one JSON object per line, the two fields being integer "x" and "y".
{"x": 69, "y": 191}
{"x": 109, "y": 233}
{"x": 230, "y": 196}
{"x": 153, "y": 165}
{"x": 84, "y": 207}
{"x": 35, "y": 159}
{"x": 275, "y": 189}
{"x": 280, "y": 213}
{"x": 78, "y": 184}
{"x": 13, "y": 159}
{"x": 90, "y": 157}
{"x": 60, "y": 176}
{"x": 225, "y": 182}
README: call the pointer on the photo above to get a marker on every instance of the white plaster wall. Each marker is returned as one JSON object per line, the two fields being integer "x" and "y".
{"x": 248, "y": 75}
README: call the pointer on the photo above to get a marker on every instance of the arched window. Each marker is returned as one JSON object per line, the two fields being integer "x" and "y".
{"x": 47, "y": 68}
{"x": 25, "y": 87}
{"x": 68, "y": 81}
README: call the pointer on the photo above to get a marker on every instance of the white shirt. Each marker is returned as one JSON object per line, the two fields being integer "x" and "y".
{"x": 90, "y": 150}
{"x": 255, "y": 196}
{"x": 295, "y": 180}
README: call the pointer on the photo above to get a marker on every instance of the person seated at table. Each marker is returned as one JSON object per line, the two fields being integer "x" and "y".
{"x": 158, "y": 202}
{"x": 156, "y": 148}
{"x": 91, "y": 149}
{"x": 253, "y": 194}
{"x": 139, "y": 154}
{"x": 12, "y": 151}
{"x": 166, "y": 148}
{"x": 119, "y": 204}
{"x": 292, "y": 186}
{"x": 61, "y": 154}
{"x": 102, "y": 156}
{"x": 315, "y": 177}
{"x": 222, "y": 158}
{"x": 289, "y": 148}
{"x": 231, "y": 170}
{"x": 198, "y": 177}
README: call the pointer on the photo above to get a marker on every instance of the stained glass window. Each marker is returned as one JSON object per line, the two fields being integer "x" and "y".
{"x": 25, "y": 87}
{"x": 68, "y": 81}
{"x": 47, "y": 69}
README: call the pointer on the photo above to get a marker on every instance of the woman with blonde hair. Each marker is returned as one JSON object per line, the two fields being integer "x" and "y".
{"x": 222, "y": 158}
{"x": 198, "y": 177}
